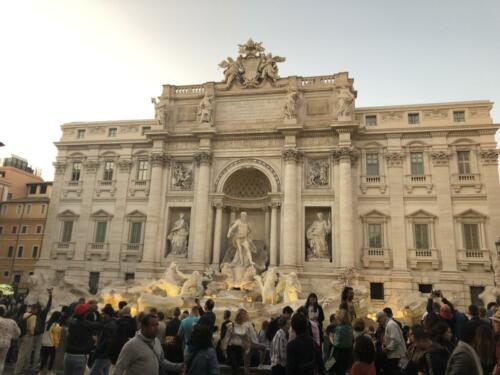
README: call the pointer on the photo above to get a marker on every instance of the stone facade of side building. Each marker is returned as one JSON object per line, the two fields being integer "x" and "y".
{"x": 409, "y": 195}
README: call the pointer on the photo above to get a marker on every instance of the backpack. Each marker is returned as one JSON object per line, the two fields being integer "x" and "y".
{"x": 23, "y": 325}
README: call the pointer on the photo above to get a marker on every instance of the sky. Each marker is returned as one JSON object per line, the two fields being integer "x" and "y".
{"x": 92, "y": 60}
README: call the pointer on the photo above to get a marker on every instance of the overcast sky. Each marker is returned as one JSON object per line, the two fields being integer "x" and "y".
{"x": 64, "y": 61}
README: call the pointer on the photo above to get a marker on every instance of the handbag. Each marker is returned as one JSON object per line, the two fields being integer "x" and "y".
{"x": 330, "y": 362}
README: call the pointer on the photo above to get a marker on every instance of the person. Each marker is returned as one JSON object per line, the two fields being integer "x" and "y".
{"x": 303, "y": 356}
{"x": 388, "y": 312}
{"x": 163, "y": 327}
{"x": 186, "y": 326}
{"x": 273, "y": 326}
{"x": 447, "y": 313}
{"x": 464, "y": 359}
{"x": 483, "y": 315}
{"x": 143, "y": 354}
{"x": 265, "y": 354}
{"x": 184, "y": 314}
{"x": 202, "y": 359}
{"x": 173, "y": 348}
{"x": 126, "y": 326}
{"x": 342, "y": 344}
{"x": 364, "y": 356}
{"x": 435, "y": 356}
{"x": 223, "y": 331}
{"x": 329, "y": 333}
{"x": 208, "y": 317}
{"x": 495, "y": 320}
{"x": 492, "y": 308}
{"x": 80, "y": 341}
{"x": 121, "y": 305}
{"x": 278, "y": 347}
{"x": 414, "y": 353}
{"x": 312, "y": 327}
{"x": 393, "y": 343}
{"x": 441, "y": 333}
{"x": 105, "y": 340}
{"x": 50, "y": 342}
{"x": 93, "y": 315}
{"x": 359, "y": 328}
{"x": 347, "y": 302}
{"x": 239, "y": 340}
{"x": 27, "y": 325}
{"x": 484, "y": 345}
{"x": 315, "y": 312}
{"x": 8, "y": 331}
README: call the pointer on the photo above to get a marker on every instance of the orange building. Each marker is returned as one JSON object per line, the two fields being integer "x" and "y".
{"x": 15, "y": 173}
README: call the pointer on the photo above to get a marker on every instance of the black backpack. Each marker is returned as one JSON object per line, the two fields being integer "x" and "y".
{"x": 23, "y": 325}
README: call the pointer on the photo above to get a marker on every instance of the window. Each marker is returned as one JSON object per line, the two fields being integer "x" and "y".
{"x": 67, "y": 230}
{"x": 20, "y": 251}
{"x": 112, "y": 132}
{"x": 377, "y": 291}
{"x": 142, "y": 170}
{"x": 42, "y": 208}
{"x": 38, "y": 229}
{"x": 6, "y": 274}
{"x": 34, "y": 252}
{"x": 458, "y": 116}
{"x": 372, "y": 166}
{"x": 425, "y": 288}
{"x": 93, "y": 282}
{"x": 80, "y": 134}
{"x": 17, "y": 278}
{"x": 32, "y": 189}
{"x": 135, "y": 232}
{"x": 375, "y": 236}
{"x": 108, "y": 170}
{"x": 14, "y": 229}
{"x": 471, "y": 236}
{"x": 43, "y": 189}
{"x": 1, "y": 229}
{"x": 421, "y": 234}
{"x": 463, "y": 158}
{"x": 145, "y": 129}
{"x": 28, "y": 209}
{"x": 4, "y": 209}
{"x": 475, "y": 291}
{"x": 413, "y": 118}
{"x": 129, "y": 276}
{"x": 100, "y": 231}
{"x": 19, "y": 210}
{"x": 75, "y": 172}
{"x": 417, "y": 163}
{"x": 11, "y": 252}
{"x": 371, "y": 120}
{"x": 24, "y": 229}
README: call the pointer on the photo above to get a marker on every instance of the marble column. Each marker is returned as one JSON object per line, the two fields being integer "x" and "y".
{"x": 346, "y": 155}
{"x": 290, "y": 250}
{"x": 273, "y": 246}
{"x": 217, "y": 233}
{"x": 267, "y": 227}
{"x": 204, "y": 160}
{"x": 158, "y": 160}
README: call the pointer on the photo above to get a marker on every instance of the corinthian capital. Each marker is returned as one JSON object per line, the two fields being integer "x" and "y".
{"x": 159, "y": 159}
{"x": 345, "y": 153}
{"x": 394, "y": 159}
{"x": 203, "y": 157}
{"x": 59, "y": 166}
{"x": 440, "y": 158}
{"x": 291, "y": 154}
{"x": 489, "y": 156}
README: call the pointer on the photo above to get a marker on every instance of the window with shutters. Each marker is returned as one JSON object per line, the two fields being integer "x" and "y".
{"x": 135, "y": 236}
{"x": 75, "y": 171}
{"x": 67, "y": 231}
{"x": 109, "y": 167}
{"x": 372, "y": 164}
{"x": 471, "y": 236}
{"x": 375, "y": 236}
{"x": 142, "y": 170}
{"x": 421, "y": 236}
{"x": 100, "y": 231}
{"x": 417, "y": 163}
{"x": 463, "y": 158}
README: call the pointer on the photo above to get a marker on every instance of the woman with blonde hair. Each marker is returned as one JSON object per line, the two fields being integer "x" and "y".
{"x": 240, "y": 338}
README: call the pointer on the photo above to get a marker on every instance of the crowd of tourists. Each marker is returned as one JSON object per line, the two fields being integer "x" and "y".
{"x": 83, "y": 339}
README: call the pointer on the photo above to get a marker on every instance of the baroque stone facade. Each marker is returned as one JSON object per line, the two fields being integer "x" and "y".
{"x": 407, "y": 195}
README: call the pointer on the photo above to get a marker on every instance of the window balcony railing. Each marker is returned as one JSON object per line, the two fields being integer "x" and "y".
{"x": 139, "y": 186}
{"x": 372, "y": 182}
{"x": 63, "y": 249}
{"x": 98, "y": 250}
{"x": 420, "y": 258}
{"x": 467, "y": 258}
{"x": 416, "y": 181}
{"x": 460, "y": 180}
{"x": 373, "y": 257}
{"x": 77, "y": 183}
{"x": 106, "y": 182}
{"x": 131, "y": 251}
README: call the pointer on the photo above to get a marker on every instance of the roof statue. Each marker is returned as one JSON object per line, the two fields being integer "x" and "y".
{"x": 252, "y": 68}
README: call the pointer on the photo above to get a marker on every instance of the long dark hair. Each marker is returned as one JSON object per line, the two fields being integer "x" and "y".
{"x": 54, "y": 318}
{"x": 345, "y": 291}
{"x": 364, "y": 351}
{"x": 315, "y": 306}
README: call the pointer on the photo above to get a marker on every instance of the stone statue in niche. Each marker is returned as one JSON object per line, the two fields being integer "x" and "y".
{"x": 290, "y": 106}
{"x": 178, "y": 236}
{"x": 206, "y": 109}
{"x": 316, "y": 237}
{"x": 345, "y": 104}
{"x": 317, "y": 173}
{"x": 182, "y": 177}
{"x": 161, "y": 112}
{"x": 241, "y": 234}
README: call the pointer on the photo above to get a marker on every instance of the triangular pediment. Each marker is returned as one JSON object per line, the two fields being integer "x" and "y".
{"x": 136, "y": 213}
{"x": 421, "y": 213}
{"x": 101, "y": 213}
{"x": 67, "y": 213}
{"x": 471, "y": 213}
{"x": 375, "y": 213}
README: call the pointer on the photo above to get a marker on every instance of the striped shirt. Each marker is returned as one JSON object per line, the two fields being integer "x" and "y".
{"x": 278, "y": 349}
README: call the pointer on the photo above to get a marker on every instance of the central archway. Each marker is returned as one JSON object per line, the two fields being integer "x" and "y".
{"x": 247, "y": 183}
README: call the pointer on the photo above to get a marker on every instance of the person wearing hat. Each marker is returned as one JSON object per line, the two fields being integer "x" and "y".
{"x": 393, "y": 345}
{"x": 79, "y": 341}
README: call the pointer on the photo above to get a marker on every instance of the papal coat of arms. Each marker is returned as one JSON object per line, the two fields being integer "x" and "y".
{"x": 252, "y": 68}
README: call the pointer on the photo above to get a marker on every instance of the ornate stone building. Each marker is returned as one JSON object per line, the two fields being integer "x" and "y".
{"x": 409, "y": 195}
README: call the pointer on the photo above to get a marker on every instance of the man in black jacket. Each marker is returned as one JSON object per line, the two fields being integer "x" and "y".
{"x": 80, "y": 341}
{"x": 273, "y": 326}
{"x": 303, "y": 355}
{"x": 102, "y": 361}
{"x": 208, "y": 317}
{"x": 126, "y": 329}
